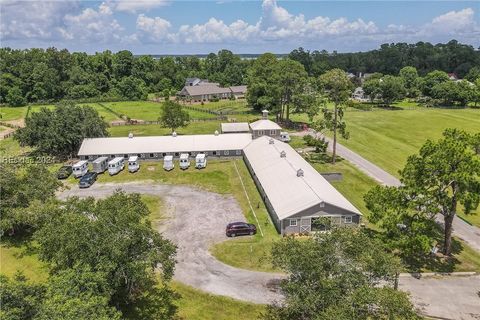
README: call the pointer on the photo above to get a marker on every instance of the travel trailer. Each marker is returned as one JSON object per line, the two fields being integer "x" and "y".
{"x": 284, "y": 137}
{"x": 116, "y": 165}
{"x": 200, "y": 161}
{"x": 100, "y": 164}
{"x": 184, "y": 161}
{"x": 168, "y": 163}
{"x": 80, "y": 168}
{"x": 133, "y": 164}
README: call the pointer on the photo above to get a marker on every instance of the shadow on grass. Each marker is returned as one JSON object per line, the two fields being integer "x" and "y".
{"x": 426, "y": 263}
{"x": 321, "y": 158}
{"x": 21, "y": 241}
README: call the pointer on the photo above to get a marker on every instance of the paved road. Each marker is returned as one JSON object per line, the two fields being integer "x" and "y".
{"x": 448, "y": 297}
{"x": 197, "y": 220}
{"x": 461, "y": 229}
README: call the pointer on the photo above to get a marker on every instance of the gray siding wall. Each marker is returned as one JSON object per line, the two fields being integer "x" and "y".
{"x": 271, "y": 133}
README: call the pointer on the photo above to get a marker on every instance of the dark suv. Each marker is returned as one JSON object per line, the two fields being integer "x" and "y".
{"x": 64, "y": 172}
{"x": 240, "y": 228}
{"x": 87, "y": 180}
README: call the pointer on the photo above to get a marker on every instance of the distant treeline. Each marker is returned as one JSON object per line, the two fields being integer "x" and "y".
{"x": 38, "y": 75}
{"x": 452, "y": 57}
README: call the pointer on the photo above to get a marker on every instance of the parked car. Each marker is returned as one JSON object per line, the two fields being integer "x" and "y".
{"x": 88, "y": 179}
{"x": 240, "y": 228}
{"x": 64, "y": 172}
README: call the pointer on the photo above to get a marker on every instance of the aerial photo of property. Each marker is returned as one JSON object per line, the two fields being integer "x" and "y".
{"x": 239, "y": 160}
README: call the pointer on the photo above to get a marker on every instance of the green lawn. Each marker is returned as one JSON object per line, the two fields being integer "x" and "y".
{"x": 225, "y": 106}
{"x": 198, "y": 305}
{"x": 148, "y": 110}
{"x": 12, "y": 113}
{"x": 201, "y": 127}
{"x": 10, "y": 148}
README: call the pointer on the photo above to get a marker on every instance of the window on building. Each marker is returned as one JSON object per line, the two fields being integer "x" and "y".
{"x": 293, "y": 222}
{"x": 176, "y": 154}
{"x": 164, "y": 154}
{"x": 125, "y": 156}
{"x": 152, "y": 155}
{"x": 139, "y": 155}
{"x": 214, "y": 153}
{"x": 348, "y": 219}
{"x": 272, "y": 132}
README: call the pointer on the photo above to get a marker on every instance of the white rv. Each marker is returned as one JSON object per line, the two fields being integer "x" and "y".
{"x": 200, "y": 161}
{"x": 100, "y": 164}
{"x": 184, "y": 161}
{"x": 133, "y": 164}
{"x": 284, "y": 137}
{"x": 168, "y": 163}
{"x": 116, "y": 165}
{"x": 80, "y": 168}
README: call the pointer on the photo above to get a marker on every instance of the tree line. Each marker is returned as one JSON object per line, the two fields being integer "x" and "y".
{"x": 38, "y": 75}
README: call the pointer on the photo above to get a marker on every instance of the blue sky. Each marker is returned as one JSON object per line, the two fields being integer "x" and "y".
{"x": 183, "y": 27}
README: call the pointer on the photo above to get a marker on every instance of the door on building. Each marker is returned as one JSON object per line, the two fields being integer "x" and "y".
{"x": 305, "y": 225}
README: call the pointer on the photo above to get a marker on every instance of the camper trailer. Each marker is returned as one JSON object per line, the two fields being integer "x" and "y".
{"x": 168, "y": 163}
{"x": 284, "y": 137}
{"x": 184, "y": 161}
{"x": 133, "y": 164}
{"x": 80, "y": 168}
{"x": 116, "y": 165}
{"x": 200, "y": 161}
{"x": 100, "y": 164}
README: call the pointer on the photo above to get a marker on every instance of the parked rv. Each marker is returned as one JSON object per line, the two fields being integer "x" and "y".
{"x": 64, "y": 172}
{"x": 100, "y": 164}
{"x": 80, "y": 168}
{"x": 184, "y": 161}
{"x": 285, "y": 137}
{"x": 168, "y": 163}
{"x": 200, "y": 161}
{"x": 116, "y": 165}
{"x": 133, "y": 164}
{"x": 87, "y": 180}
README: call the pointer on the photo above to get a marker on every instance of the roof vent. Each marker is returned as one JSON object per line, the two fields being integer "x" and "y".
{"x": 271, "y": 141}
{"x": 283, "y": 154}
{"x": 130, "y": 135}
{"x": 216, "y": 132}
{"x": 265, "y": 114}
{"x": 299, "y": 173}
{"x": 174, "y": 134}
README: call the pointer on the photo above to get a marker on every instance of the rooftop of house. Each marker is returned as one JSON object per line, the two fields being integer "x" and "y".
{"x": 235, "y": 127}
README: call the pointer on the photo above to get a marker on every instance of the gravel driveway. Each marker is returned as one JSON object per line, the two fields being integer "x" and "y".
{"x": 196, "y": 220}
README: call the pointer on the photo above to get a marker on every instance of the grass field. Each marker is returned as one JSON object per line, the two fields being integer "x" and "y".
{"x": 148, "y": 110}
{"x": 12, "y": 113}
{"x": 225, "y": 106}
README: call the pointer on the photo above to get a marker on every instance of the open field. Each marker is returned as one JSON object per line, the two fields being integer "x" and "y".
{"x": 224, "y": 106}
{"x": 12, "y": 113}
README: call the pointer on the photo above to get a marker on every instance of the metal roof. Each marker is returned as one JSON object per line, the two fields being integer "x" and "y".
{"x": 235, "y": 127}
{"x": 238, "y": 89}
{"x": 206, "y": 88}
{"x": 264, "y": 124}
{"x": 289, "y": 190}
{"x": 167, "y": 144}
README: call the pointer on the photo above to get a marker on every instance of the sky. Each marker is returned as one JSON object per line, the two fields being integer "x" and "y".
{"x": 199, "y": 27}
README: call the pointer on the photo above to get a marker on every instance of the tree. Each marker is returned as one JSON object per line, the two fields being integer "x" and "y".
{"x": 292, "y": 78}
{"x": 371, "y": 87}
{"x": 391, "y": 88}
{"x": 112, "y": 237}
{"x": 444, "y": 175}
{"x": 473, "y": 74}
{"x": 410, "y": 81}
{"x": 173, "y": 116}
{"x": 431, "y": 79}
{"x": 15, "y": 97}
{"x": 20, "y": 299}
{"x": 338, "y": 89}
{"x": 264, "y": 91}
{"x": 343, "y": 274}
{"x": 23, "y": 192}
{"x": 59, "y": 132}
{"x": 132, "y": 88}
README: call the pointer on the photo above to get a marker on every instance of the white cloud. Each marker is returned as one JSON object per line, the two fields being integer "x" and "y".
{"x": 451, "y": 23}
{"x": 33, "y": 19}
{"x": 91, "y": 24}
{"x": 155, "y": 28}
{"x": 133, "y": 6}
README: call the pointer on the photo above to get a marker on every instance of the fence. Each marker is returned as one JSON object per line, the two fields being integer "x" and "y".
{"x": 142, "y": 122}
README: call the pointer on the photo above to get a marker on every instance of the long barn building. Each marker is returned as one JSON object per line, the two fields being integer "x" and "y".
{"x": 298, "y": 198}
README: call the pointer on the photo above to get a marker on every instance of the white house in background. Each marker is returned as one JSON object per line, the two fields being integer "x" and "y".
{"x": 359, "y": 95}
